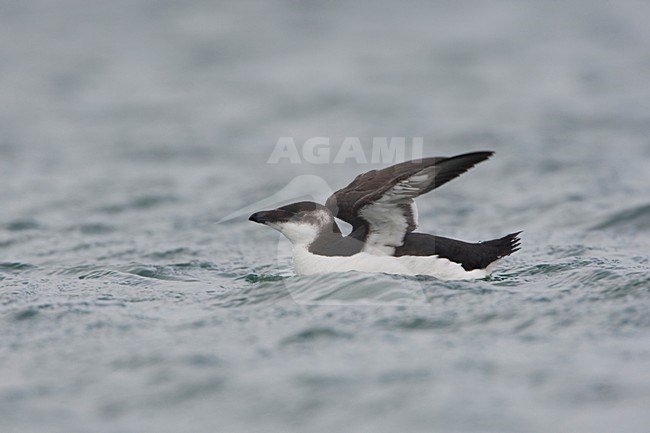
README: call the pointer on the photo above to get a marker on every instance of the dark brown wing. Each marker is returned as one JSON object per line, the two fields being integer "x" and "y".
{"x": 381, "y": 201}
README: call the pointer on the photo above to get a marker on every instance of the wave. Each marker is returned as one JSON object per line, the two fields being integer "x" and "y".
{"x": 636, "y": 218}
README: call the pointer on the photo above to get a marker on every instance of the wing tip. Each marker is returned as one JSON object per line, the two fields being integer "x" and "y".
{"x": 475, "y": 157}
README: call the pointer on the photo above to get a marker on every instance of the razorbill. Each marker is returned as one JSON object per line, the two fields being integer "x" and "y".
{"x": 379, "y": 205}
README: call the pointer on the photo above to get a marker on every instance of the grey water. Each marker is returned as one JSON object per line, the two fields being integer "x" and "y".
{"x": 136, "y": 297}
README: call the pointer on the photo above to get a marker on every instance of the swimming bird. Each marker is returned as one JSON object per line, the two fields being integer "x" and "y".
{"x": 380, "y": 206}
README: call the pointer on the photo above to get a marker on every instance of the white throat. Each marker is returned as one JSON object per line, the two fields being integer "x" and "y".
{"x": 304, "y": 230}
{"x": 300, "y": 234}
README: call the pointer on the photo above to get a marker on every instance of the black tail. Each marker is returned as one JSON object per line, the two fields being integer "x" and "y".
{"x": 504, "y": 246}
{"x": 469, "y": 255}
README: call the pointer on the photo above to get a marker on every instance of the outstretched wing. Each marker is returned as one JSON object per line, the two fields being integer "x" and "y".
{"x": 379, "y": 204}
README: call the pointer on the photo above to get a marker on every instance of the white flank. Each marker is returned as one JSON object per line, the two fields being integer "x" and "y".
{"x": 307, "y": 263}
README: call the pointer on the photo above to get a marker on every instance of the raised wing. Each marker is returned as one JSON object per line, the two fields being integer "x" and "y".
{"x": 379, "y": 204}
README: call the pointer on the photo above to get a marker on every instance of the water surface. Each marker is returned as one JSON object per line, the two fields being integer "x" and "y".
{"x": 129, "y": 129}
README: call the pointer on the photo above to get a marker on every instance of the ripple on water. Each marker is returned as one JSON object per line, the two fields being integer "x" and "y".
{"x": 26, "y": 314}
{"x": 15, "y": 267}
{"x": 113, "y": 276}
{"x": 22, "y": 225}
{"x": 171, "y": 253}
{"x": 158, "y": 272}
{"x": 256, "y": 278}
{"x": 636, "y": 218}
{"x": 636, "y": 284}
{"x": 419, "y": 323}
{"x": 315, "y": 333}
{"x": 356, "y": 288}
{"x": 96, "y": 228}
{"x": 143, "y": 202}
{"x": 125, "y": 274}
